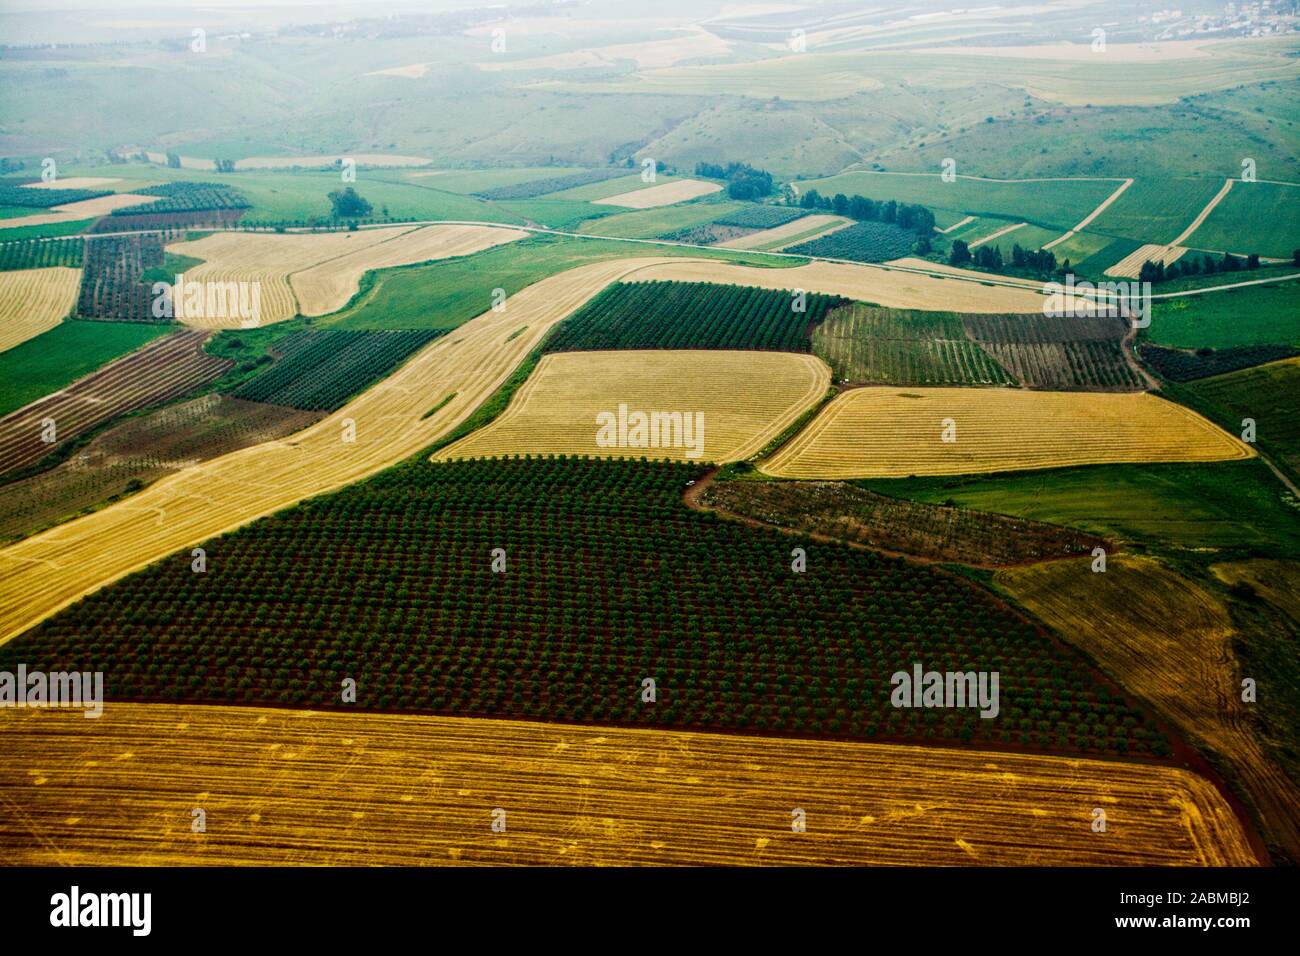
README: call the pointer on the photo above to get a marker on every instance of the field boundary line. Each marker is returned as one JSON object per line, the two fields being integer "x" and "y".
{"x": 1083, "y": 224}
{"x": 997, "y": 235}
{"x": 1204, "y": 213}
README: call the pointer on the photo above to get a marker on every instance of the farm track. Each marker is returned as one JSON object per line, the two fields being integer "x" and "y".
{"x": 1084, "y": 223}
{"x": 288, "y": 787}
{"x": 1204, "y": 214}
{"x": 1170, "y": 642}
{"x": 164, "y": 369}
{"x": 46, "y": 572}
{"x": 33, "y": 301}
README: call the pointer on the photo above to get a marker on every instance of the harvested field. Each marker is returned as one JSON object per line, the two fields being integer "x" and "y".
{"x": 891, "y": 288}
{"x": 667, "y": 194}
{"x": 75, "y": 211}
{"x": 746, "y": 399}
{"x": 423, "y": 789}
{"x": 887, "y": 433}
{"x": 1131, "y": 265}
{"x": 807, "y": 228}
{"x": 270, "y": 259}
{"x": 48, "y": 571}
{"x": 33, "y": 300}
{"x": 164, "y": 369}
{"x": 844, "y": 512}
{"x": 1169, "y": 641}
{"x": 328, "y": 286}
{"x": 1059, "y": 353}
{"x": 138, "y": 451}
{"x": 868, "y": 345}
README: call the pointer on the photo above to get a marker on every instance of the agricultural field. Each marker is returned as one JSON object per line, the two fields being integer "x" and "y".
{"x": 139, "y": 449}
{"x": 803, "y": 229}
{"x": 114, "y": 285}
{"x": 1169, "y": 641}
{"x": 1059, "y": 353}
{"x": 160, "y": 371}
{"x": 1267, "y": 395}
{"x": 480, "y": 181}
{"x": 69, "y": 213}
{"x": 1185, "y": 365}
{"x": 665, "y": 194}
{"x": 865, "y": 614}
{"x": 1277, "y": 582}
{"x": 33, "y": 301}
{"x": 761, "y": 217}
{"x": 834, "y": 510}
{"x": 1156, "y": 209}
{"x": 664, "y": 222}
{"x": 866, "y": 345}
{"x": 320, "y": 370}
{"x": 716, "y": 799}
{"x": 1267, "y": 314}
{"x": 532, "y": 187}
{"x": 692, "y": 315}
{"x": 861, "y": 242}
{"x": 881, "y": 432}
{"x": 53, "y": 360}
{"x": 1260, "y": 217}
{"x": 183, "y": 197}
{"x": 37, "y": 254}
{"x": 725, "y": 405}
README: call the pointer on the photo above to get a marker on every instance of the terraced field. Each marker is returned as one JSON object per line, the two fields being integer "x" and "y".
{"x": 1169, "y": 641}
{"x": 884, "y": 432}
{"x": 163, "y": 370}
{"x": 746, "y": 399}
{"x": 34, "y": 300}
{"x": 572, "y": 796}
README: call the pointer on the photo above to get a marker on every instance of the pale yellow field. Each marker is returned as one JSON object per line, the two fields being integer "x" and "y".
{"x": 1130, "y": 267}
{"x": 73, "y": 182}
{"x": 886, "y": 432}
{"x": 411, "y": 72}
{"x": 747, "y": 399}
{"x": 75, "y": 211}
{"x": 1169, "y": 641}
{"x": 35, "y": 300}
{"x": 283, "y": 787}
{"x": 327, "y": 287}
{"x": 679, "y": 190}
{"x": 766, "y": 237}
{"x": 891, "y": 288}
{"x": 46, "y": 572}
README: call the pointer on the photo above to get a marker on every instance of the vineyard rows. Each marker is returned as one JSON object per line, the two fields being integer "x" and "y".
{"x": 861, "y": 242}
{"x": 610, "y": 580}
{"x": 189, "y": 197}
{"x": 166, "y": 368}
{"x": 542, "y": 187}
{"x": 112, "y": 287}
{"x": 45, "y": 198}
{"x": 1186, "y": 366}
{"x": 1058, "y": 352}
{"x": 40, "y": 254}
{"x": 761, "y": 217}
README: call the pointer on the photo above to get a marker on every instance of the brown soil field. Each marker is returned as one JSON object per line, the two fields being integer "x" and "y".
{"x": 164, "y": 369}
{"x": 845, "y": 512}
{"x": 48, "y": 571}
{"x": 746, "y": 398}
{"x": 666, "y": 194}
{"x": 138, "y": 451}
{"x": 1169, "y": 641}
{"x": 284, "y": 787}
{"x": 33, "y": 301}
{"x": 891, "y": 432}
{"x": 327, "y": 287}
{"x": 891, "y": 288}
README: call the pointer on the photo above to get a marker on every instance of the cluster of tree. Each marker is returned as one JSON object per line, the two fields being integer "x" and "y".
{"x": 1191, "y": 266}
{"x": 908, "y": 215}
{"x": 743, "y": 180}
{"x": 348, "y": 204}
{"x": 173, "y": 160}
{"x": 989, "y": 258}
{"x": 8, "y": 165}
{"x": 224, "y": 165}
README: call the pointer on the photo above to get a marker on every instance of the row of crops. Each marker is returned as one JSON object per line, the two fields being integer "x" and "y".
{"x": 12, "y": 194}
{"x": 320, "y": 370}
{"x": 187, "y": 197}
{"x": 692, "y": 315}
{"x": 608, "y": 581}
{"x": 861, "y": 242}
{"x": 760, "y": 216}
{"x": 1178, "y": 365}
{"x": 553, "y": 184}
{"x": 39, "y": 254}
{"x": 112, "y": 286}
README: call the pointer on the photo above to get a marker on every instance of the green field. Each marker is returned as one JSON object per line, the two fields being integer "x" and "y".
{"x": 64, "y": 354}
{"x": 1238, "y": 504}
{"x": 562, "y": 214}
{"x": 1253, "y": 315}
{"x": 650, "y": 223}
{"x": 1080, "y": 247}
{"x": 467, "y": 181}
{"x": 442, "y": 295}
{"x": 1253, "y": 217}
{"x": 1027, "y": 237}
{"x": 1054, "y": 204}
{"x": 1156, "y": 209}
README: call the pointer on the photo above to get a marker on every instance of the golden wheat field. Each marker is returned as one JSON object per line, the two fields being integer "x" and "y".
{"x": 665, "y": 194}
{"x": 745, "y": 400}
{"x": 33, "y": 301}
{"x": 888, "y": 432}
{"x": 1169, "y": 641}
{"x": 297, "y": 787}
{"x": 328, "y": 286}
{"x": 46, "y": 572}
{"x": 891, "y": 288}
{"x": 772, "y": 238}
